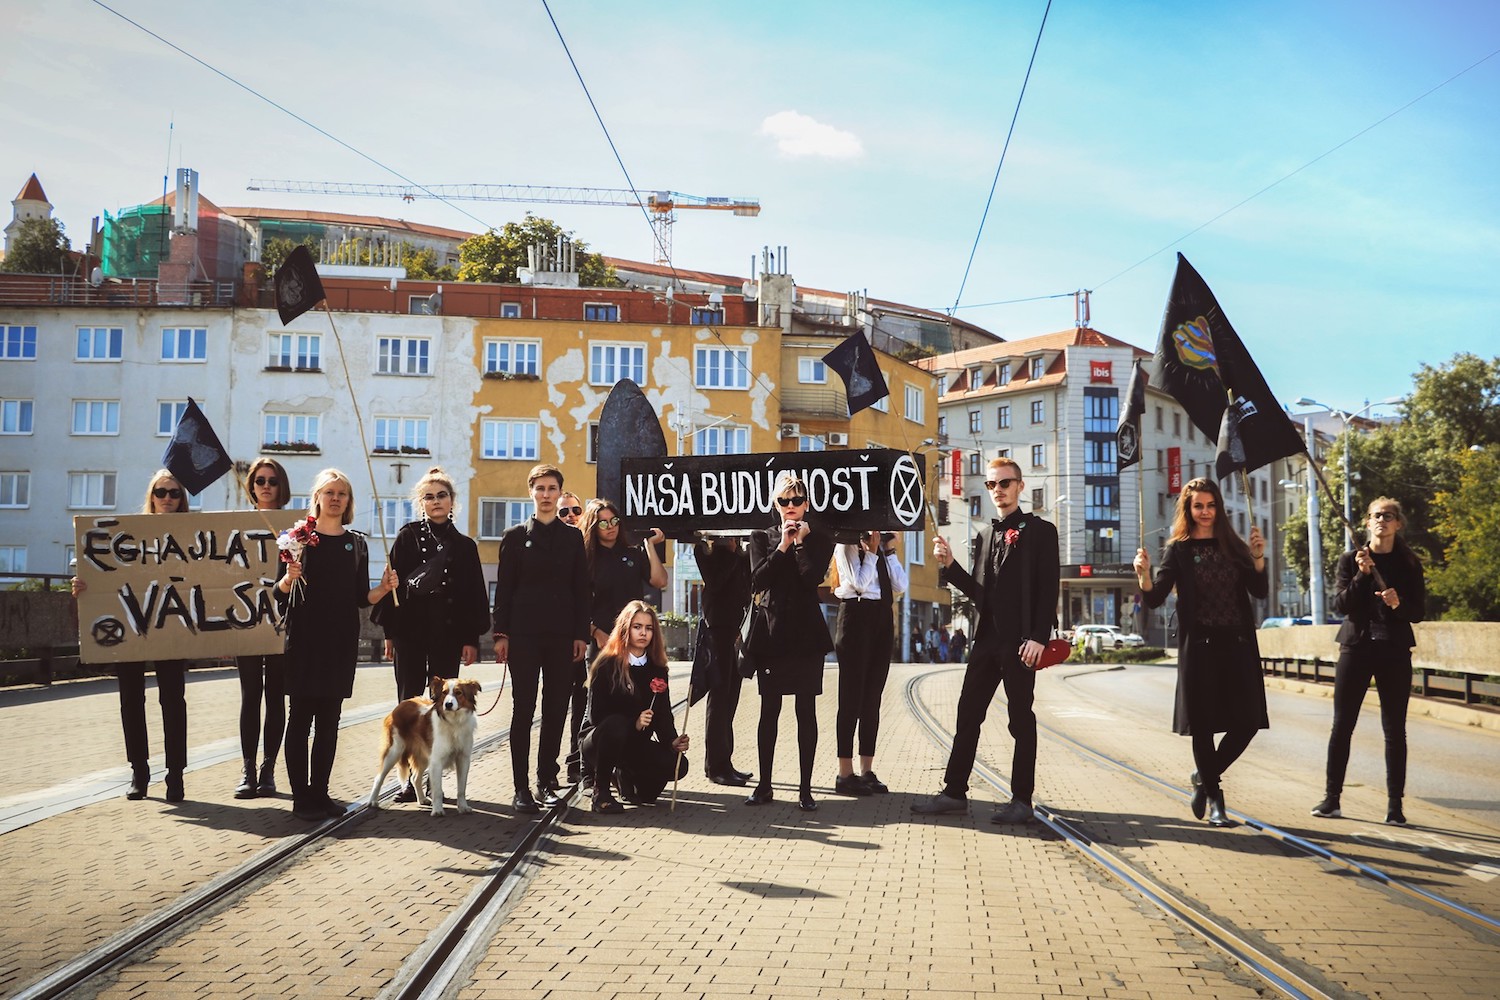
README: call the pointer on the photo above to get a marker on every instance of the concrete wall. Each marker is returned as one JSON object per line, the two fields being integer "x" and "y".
{"x": 1469, "y": 647}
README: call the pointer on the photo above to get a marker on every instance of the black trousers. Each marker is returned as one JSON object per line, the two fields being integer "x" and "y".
{"x": 864, "y": 635}
{"x": 578, "y": 703}
{"x": 1389, "y": 665}
{"x": 992, "y": 663}
{"x": 723, "y": 702}
{"x": 545, "y": 664}
{"x": 419, "y": 659}
{"x": 318, "y": 717}
{"x": 262, "y": 675}
{"x": 645, "y": 764}
{"x": 171, "y": 694}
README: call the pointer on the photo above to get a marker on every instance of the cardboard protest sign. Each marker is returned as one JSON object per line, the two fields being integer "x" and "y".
{"x": 178, "y": 586}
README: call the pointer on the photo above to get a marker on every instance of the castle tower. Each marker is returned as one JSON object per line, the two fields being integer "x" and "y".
{"x": 31, "y": 203}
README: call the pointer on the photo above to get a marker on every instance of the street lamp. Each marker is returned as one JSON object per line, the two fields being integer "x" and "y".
{"x": 1314, "y": 530}
{"x": 1348, "y": 419}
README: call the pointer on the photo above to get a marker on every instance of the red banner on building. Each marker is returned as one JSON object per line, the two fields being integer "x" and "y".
{"x": 1101, "y": 371}
{"x": 1174, "y": 471}
{"x": 958, "y": 473}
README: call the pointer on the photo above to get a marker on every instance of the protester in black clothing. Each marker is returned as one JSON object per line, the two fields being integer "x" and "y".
{"x": 268, "y": 488}
{"x": 569, "y": 508}
{"x": 726, "y": 597}
{"x": 443, "y": 605}
{"x": 630, "y": 738}
{"x": 541, "y": 619}
{"x": 957, "y": 645}
{"x": 870, "y": 578}
{"x": 1375, "y": 642}
{"x": 323, "y": 589}
{"x": 1219, "y": 684}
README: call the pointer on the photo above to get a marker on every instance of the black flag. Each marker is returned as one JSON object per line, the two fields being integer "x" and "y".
{"x": 1128, "y": 433}
{"x": 854, "y": 360}
{"x": 298, "y": 288}
{"x": 194, "y": 456}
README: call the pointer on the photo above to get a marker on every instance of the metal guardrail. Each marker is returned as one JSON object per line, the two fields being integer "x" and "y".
{"x": 71, "y": 291}
{"x": 1461, "y": 685}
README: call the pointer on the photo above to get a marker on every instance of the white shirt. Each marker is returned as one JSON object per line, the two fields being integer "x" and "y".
{"x": 861, "y": 578}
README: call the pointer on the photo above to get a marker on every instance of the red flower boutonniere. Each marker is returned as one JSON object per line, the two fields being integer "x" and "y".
{"x": 1012, "y": 536}
{"x": 658, "y": 686}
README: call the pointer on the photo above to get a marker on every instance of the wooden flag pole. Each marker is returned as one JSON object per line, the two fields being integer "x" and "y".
{"x": 677, "y": 764}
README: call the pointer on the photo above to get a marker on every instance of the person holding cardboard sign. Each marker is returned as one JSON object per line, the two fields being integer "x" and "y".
{"x": 268, "y": 488}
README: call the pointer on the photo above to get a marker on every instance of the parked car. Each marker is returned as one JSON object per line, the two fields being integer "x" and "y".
{"x": 1285, "y": 622}
{"x": 1109, "y": 635}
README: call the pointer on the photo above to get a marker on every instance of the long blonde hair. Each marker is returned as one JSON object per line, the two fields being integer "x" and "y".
{"x": 326, "y": 478}
{"x": 161, "y": 475}
{"x": 614, "y": 656}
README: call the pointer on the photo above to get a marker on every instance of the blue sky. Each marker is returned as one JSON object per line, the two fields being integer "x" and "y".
{"x": 870, "y": 133}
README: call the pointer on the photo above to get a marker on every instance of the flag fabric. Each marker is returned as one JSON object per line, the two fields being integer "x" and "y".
{"x": 1202, "y": 363}
{"x": 706, "y": 666}
{"x": 1128, "y": 433}
{"x": 194, "y": 456}
{"x": 854, "y": 360}
{"x": 298, "y": 287}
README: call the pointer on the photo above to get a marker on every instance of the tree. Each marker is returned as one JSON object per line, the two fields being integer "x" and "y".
{"x": 40, "y": 247}
{"x": 494, "y": 256}
{"x": 1468, "y": 516}
{"x": 278, "y": 248}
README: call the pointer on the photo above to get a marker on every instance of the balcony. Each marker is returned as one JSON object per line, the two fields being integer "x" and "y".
{"x": 69, "y": 290}
{"x": 814, "y": 401}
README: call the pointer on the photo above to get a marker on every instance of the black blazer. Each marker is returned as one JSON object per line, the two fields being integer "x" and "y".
{"x": 1041, "y": 574}
{"x": 542, "y": 585}
{"x": 462, "y": 605}
{"x": 1354, "y": 597}
{"x": 790, "y": 582}
{"x": 1175, "y": 571}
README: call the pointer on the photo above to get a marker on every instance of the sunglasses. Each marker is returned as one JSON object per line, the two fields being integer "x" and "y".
{"x": 439, "y": 495}
{"x": 1003, "y": 484}
{"x": 267, "y": 481}
{"x": 608, "y": 522}
{"x": 161, "y": 492}
{"x": 791, "y": 501}
{"x": 569, "y": 511}
{"x": 1384, "y": 515}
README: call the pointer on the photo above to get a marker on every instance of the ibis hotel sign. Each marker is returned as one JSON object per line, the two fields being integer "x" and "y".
{"x": 876, "y": 489}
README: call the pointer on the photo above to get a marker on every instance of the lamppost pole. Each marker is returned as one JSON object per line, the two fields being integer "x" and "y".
{"x": 1348, "y": 421}
{"x": 1314, "y": 526}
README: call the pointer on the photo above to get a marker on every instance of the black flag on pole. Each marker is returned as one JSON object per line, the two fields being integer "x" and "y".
{"x": 854, "y": 360}
{"x": 298, "y": 287}
{"x": 1128, "y": 433}
{"x": 194, "y": 456}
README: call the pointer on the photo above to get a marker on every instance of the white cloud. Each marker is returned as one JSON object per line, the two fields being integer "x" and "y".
{"x": 798, "y": 135}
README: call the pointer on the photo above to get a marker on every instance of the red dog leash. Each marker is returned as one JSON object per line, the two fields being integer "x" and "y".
{"x": 504, "y": 669}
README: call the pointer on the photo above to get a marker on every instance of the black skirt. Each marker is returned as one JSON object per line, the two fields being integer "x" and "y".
{"x": 798, "y": 674}
{"x": 1219, "y": 684}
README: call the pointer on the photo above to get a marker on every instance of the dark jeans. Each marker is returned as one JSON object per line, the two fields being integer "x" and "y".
{"x": 320, "y": 718}
{"x": 806, "y": 706}
{"x": 864, "y": 651}
{"x": 419, "y": 660}
{"x": 171, "y": 694}
{"x": 723, "y": 702}
{"x": 1390, "y": 667}
{"x": 262, "y": 675}
{"x": 542, "y": 663}
{"x": 991, "y": 664}
{"x": 645, "y": 764}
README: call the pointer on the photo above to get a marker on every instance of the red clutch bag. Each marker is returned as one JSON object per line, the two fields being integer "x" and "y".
{"x": 1054, "y": 653}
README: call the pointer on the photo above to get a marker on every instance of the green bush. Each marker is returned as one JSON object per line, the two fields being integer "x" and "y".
{"x": 1130, "y": 654}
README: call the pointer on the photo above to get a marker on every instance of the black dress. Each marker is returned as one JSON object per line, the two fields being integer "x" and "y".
{"x": 431, "y": 628}
{"x": 322, "y": 620}
{"x": 799, "y": 634}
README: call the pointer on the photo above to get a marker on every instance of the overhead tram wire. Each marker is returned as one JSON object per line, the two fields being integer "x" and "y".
{"x": 1005, "y": 148}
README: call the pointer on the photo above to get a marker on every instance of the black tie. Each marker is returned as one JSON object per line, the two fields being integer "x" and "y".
{"x": 884, "y": 573}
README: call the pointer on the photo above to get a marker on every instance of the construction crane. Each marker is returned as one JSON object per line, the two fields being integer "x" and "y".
{"x": 661, "y": 206}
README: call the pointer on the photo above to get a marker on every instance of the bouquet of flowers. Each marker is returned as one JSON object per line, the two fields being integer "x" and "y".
{"x": 292, "y": 541}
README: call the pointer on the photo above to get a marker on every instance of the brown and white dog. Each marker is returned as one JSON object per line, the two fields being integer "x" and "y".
{"x": 427, "y": 735}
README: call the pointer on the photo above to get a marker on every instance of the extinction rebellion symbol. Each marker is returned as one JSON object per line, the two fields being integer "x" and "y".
{"x": 906, "y": 491}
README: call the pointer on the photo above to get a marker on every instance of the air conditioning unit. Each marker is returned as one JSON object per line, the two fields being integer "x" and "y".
{"x": 836, "y": 438}
{"x": 790, "y": 430}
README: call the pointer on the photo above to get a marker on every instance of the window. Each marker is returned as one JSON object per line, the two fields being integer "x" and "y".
{"x": 12, "y": 558}
{"x": 1192, "y": 469}
{"x": 883, "y": 404}
{"x": 974, "y": 468}
{"x": 609, "y": 363}
{"x": 184, "y": 343}
{"x": 299, "y": 351}
{"x": 1002, "y": 373}
{"x": 1038, "y": 368}
{"x": 601, "y": 312}
{"x": 15, "y": 416}
{"x": 722, "y": 367}
{"x": 811, "y": 371}
{"x": 1002, "y": 453}
{"x": 510, "y": 310}
{"x": 810, "y": 442}
{"x": 1192, "y": 432}
{"x": 393, "y": 514}
{"x": 942, "y": 425}
{"x": 976, "y": 423}
{"x": 722, "y": 440}
{"x": 401, "y": 434}
{"x": 1038, "y": 411}
{"x": 17, "y": 343}
{"x": 15, "y": 489}
{"x": 1038, "y": 456}
{"x": 1038, "y": 499}
{"x": 976, "y": 377}
{"x": 1158, "y": 418}
{"x": 591, "y": 452}
{"x": 1161, "y": 505}
{"x": 509, "y": 439}
{"x": 168, "y": 412}
{"x": 708, "y": 316}
{"x": 91, "y": 489}
{"x": 99, "y": 343}
{"x": 1099, "y": 458}
{"x": 942, "y": 385}
{"x": 291, "y": 429}
{"x": 96, "y": 416}
{"x": 916, "y": 554}
{"x": 497, "y": 515}
{"x": 1240, "y": 516}
{"x": 914, "y": 404}
{"x": 1101, "y": 410}
{"x": 973, "y": 506}
{"x": 1103, "y": 504}
{"x": 514, "y": 357}
{"x": 404, "y": 356}
{"x": 1177, "y": 425}
{"x": 1002, "y": 418}
{"x": 1161, "y": 460}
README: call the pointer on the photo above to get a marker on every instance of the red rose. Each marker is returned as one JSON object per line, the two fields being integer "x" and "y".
{"x": 658, "y": 685}
{"x": 1012, "y": 536}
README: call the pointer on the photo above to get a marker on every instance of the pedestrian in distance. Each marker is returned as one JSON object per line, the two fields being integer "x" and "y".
{"x": 1013, "y": 584}
{"x": 540, "y": 617}
{"x": 444, "y": 606}
{"x": 1375, "y": 642}
{"x": 1219, "y": 684}
{"x": 870, "y": 578}
{"x": 725, "y": 569}
{"x": 930, "y": 643}
{"x": 164, "y": 495}
{"x": 630, "y": 739}
{"x": 957, "y": 646}
{"x": 262, "y": 675}
{"x": 325, "y": 585}
{"x": 787, "y": 563}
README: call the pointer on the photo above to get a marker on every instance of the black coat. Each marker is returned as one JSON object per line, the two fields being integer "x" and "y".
{"x": 459, "y": 610}
{"x": 606, "y": 699}
{"x": 1354, "y": 597}
{"x": 542, "y": 584}
{"x": 322, "y": 621}
{"x": 1041, "y": 575}
{"x": 794, "y": 615}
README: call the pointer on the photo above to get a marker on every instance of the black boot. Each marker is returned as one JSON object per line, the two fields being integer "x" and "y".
{"x": 1217, "y": 814}
{"x": 267, "y": 784}
{"x": 140, "y": 777}
{"x": 175, "y": 791}
{"x": 247, "y": 787}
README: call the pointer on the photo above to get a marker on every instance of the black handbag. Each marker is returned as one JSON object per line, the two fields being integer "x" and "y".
{"x": 427, "y": 579}
{"x": 756, "y": 642}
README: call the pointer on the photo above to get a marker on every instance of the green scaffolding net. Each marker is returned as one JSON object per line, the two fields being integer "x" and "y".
{"x": 136, "y": 241}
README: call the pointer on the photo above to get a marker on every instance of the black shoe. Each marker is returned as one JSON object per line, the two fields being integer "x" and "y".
{"x": 140, "y": 778}
{"x": 524, "y": 803}
{"x": 760, "y": 796}
{"x": 627, "y": 788}
{"x": 333, "y": 808}
{"x": 874, "y": 784}
{"x": 1014, "y": 811}
{"x": 806, "y": 802}
{"x": 607, "y": 804}
{"x": 247, "y": 788}
{"x": 744, "y": 776}
{"x": 266, "y": 786}
{"x": 728, "y": 778}
{"x": 850, "y": 785}
{"x": 548, "y": 797}
{"x": 1200, "y": 796}
{"x": 1328, "y": 808}
{"x": 1393, "y": 814}
{"x": 939, "y": 805}
{"x": 408, "y": 792}
{"x": 306, "y": 809}
{"x": 574, "y": 772}
{"x": 175, "y": 792}
{"x": 1217, "y": 814}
